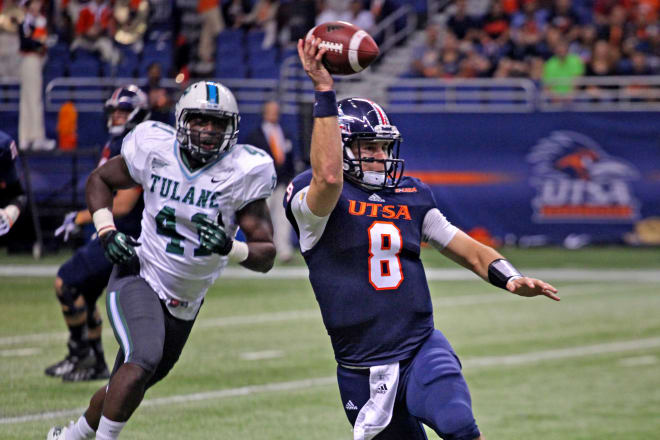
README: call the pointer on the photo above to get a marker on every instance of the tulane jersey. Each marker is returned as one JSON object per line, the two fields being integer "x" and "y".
{"x": 175, "y": 198}
{"x": 365, "y": 268}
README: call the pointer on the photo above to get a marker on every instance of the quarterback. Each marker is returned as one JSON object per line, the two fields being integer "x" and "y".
{"x": 199, "y": 187}
{"x": 361, "y": 223}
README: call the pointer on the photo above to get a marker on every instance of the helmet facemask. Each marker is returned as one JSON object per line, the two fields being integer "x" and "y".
{"x": 205, "y": 144}
{"x": 119, "y": 129}
{"x": 390, "y": 170}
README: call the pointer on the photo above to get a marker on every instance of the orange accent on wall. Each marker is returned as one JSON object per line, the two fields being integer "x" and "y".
{"x": 613, "y": 211}
{"x": 460, "y": 177}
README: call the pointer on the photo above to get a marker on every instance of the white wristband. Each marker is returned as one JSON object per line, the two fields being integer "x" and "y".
{"x": 103, "y": 220}
{"x": 239, "y": 251}
{"x": 12, "y": 212}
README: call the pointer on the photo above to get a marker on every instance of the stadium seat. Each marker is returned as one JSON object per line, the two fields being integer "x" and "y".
{"x": 83, "y": 55}
{"x": 269, "y": 72}
{"x": 254, "y": 39}
{"x": 59, "y": 52}
{"x": 238, "y": 70}
{"x": 230, "y": 37}
{"x": 288, "y": 52}
{"x": 54, "y": 68}
{"x": 235, "y": 50}
{"x": 262, "y": 55}
{"x": 85, "y": 68}
{"x": 263, "y": 63}
{"x": 107, "y": 70}
{"x": 127, "y": 65}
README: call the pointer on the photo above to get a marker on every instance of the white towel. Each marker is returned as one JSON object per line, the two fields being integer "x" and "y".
{"x": 376, "y": 414}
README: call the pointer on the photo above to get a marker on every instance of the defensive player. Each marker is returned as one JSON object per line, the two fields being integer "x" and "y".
{"x": 12, "y": 196}
{"x": 81, "y": 280}
{"x": 361, "y": 225}
{"x": 199, "y": 187}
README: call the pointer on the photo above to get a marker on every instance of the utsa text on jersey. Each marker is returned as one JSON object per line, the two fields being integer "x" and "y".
{"x": 377, "y": 210}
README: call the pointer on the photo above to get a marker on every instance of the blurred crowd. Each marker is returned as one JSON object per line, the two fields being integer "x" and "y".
{"x": 544, "y": 40}
{"x": 551, "y": 42}
{"x": 188, "y": 28}
{"x": 45, "y": 39}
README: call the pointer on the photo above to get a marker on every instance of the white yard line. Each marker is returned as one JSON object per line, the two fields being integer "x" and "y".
{"x": 480, "y": 362}
{"x": 297, "y": 315}
{"x": 638, "y": 361}
{"x": 261, "y": 355}
{"x": 296, "y": 273}
{"x": 20, "y": 352}
{"x": 561, "y": 353}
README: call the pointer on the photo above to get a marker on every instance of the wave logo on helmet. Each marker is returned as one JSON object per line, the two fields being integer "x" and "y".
{"x": 578, "y": 181}
{"x": 207, "y": 120}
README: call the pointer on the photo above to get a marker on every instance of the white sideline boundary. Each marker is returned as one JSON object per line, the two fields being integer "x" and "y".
{"x": 480, "y": 362}
{"x": 297, "y": 273}
{"x": 297, "y": 315}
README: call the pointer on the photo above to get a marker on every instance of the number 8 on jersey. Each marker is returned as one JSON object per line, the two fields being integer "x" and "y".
{"x": 385, "y": 243}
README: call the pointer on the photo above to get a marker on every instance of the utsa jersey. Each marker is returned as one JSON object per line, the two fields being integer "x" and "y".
{"x": 10, "y": 186}
{"x": 130, "y": 223}
{"x": 175, "y": 198}
{"x": 365, "y": 268}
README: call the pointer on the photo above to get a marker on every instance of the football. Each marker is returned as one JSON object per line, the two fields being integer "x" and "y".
{"x": 349, "y": 48}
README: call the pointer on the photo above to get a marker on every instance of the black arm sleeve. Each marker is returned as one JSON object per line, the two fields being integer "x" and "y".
{"x": 500, "y": 271}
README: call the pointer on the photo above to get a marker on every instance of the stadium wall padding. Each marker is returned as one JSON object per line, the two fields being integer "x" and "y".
{"x": 527, "y": 179}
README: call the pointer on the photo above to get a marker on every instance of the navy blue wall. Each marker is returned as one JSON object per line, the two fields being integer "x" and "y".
{"x": 532, "y": 178}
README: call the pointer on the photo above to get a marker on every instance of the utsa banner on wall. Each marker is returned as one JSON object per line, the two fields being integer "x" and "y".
{"x": 541, "y": 178}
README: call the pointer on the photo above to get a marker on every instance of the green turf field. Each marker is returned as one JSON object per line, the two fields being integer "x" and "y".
{"x": 259, "y": 364}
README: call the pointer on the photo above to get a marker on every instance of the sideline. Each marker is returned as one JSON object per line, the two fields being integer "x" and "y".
{"x": 479, "y": 362}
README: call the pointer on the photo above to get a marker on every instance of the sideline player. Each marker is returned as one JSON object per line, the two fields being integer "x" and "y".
{"x": 81, "y": 279}
{"x": 12, "y": 195}
{"x": 361, "y": 224}
{"x": 199, "y": 187}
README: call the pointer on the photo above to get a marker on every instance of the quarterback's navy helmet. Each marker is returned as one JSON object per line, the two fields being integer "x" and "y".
{"x": 131, "y": 99}
{"x": 363, "y": 120}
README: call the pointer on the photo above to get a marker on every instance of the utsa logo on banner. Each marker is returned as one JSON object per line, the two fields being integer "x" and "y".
{"x": 577, "y": 181}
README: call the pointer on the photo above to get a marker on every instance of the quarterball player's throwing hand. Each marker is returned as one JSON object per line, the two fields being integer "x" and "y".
{"x": 525, "y": 286}
{"x": 310, "y": 56}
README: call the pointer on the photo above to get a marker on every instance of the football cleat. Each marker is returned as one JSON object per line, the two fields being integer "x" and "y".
{"x": 62, "y": 367}
{"x": 82, "y": 373}
{"x": 57, "y": 433}
{"x": 77, "y": 356}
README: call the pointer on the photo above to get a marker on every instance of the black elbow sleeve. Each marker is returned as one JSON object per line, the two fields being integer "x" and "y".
{"x": 500, "y": 271}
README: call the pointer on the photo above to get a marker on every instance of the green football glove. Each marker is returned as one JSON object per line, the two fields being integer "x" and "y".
{"x": 213, "y": 237}
{"x": 119, "y": 247}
